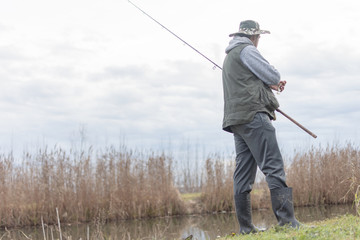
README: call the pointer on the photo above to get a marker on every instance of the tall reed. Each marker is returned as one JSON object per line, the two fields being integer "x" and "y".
{"x": 113, "y": 184}
{"x": 318, "y": 176}
{"x": 325, "y": 176}
{"x": 117, "y": 183}
{"x": 218, "y": 185}
{"x": 217, "y": 191}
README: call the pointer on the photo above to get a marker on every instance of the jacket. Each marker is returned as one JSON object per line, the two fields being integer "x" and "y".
{"x": 244, "y": 93}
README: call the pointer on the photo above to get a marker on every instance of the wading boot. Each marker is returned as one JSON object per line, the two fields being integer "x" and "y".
{"x": 243, "y": 213}
{"x": 283, "y": 207}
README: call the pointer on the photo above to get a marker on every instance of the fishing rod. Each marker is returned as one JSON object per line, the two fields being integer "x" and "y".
{"x": 216, "y": 65}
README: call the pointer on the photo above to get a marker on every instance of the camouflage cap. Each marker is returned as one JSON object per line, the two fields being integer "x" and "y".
{"x": 249, "y": 27}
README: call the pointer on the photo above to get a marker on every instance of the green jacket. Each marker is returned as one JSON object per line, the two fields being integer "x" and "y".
{"x": 244, "y": 93}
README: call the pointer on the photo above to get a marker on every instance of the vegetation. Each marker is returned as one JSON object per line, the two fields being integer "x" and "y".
{"x": 116, "y": 184}
{"x": 344, "y": 227}
{"x": 217, "y": 193}
{"x": 325, "y": 176}
{"x": 190, "y": 196}
{"x": 320, "y": 176}
{"x": 113, "y": 185}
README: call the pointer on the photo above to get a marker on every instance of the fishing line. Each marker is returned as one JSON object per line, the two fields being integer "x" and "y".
{"x": 215, "y": 65}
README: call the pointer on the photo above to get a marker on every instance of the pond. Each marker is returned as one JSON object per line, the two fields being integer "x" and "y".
{"x": 202, "y": 227}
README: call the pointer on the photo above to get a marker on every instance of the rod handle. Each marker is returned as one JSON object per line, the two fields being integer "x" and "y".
{"x": 298, "y": 124}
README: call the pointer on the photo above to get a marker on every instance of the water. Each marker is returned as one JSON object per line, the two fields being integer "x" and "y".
{"x": 202, "y": 227}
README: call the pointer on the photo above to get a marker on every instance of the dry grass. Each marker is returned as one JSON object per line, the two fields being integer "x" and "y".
{"x": 218, "y": 187}
{"x": 319, "y": 176}
{"x": 325, "y": 176}
{"x": 122, "y": 184}
{"x": 217, "y": 191}
{"x": 115, "y": 184}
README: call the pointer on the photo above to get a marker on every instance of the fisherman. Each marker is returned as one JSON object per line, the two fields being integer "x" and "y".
{"x": 248, "y": 81}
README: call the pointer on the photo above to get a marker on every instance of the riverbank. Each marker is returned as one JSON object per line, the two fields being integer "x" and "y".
{"x": 200, "y": 226}
{"x": 343, "y": 227}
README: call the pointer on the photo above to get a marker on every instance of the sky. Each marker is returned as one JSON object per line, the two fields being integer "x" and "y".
{"x": 103, "y": 73}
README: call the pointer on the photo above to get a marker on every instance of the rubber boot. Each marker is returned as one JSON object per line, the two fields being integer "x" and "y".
{"x": 243, "y": 213}
{"x": 283, "y": 207}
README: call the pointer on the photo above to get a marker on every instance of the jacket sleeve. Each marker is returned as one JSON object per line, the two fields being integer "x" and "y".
{"x": 258, "y": 65}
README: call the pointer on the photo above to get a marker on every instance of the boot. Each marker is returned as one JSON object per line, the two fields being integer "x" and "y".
{"x": 282, "y": 205}
{"x": 243, "y": 213}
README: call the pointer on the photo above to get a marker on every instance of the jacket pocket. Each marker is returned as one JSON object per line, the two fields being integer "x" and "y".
{"x": 268, "y": 98}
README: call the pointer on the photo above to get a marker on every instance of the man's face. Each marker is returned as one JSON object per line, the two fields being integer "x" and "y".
{"x": 255, "y": 40}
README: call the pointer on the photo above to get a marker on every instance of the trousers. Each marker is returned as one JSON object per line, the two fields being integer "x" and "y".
{"x": 256, "y": 146}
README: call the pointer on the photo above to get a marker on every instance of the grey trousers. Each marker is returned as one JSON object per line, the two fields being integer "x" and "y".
{"x": 256, "y": 146}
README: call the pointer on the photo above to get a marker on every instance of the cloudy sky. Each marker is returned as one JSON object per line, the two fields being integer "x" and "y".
{"x": 105, "y": 68}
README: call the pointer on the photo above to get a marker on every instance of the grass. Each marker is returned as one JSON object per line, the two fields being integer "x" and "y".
{"x": 345, "y": 227}
{"x": 118, "y": 183}
{"x": 325, "y": 175}
{"x": 111, "y": 185}
{"x": 328, "y": 175}
{"x": 190, "y": 196}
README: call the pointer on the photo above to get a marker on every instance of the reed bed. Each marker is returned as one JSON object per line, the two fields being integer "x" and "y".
{"x": 319, "y": 176}
{"x": 217, "y": 192}
{"x": 117, "y": 183}
{"x": 111, "y": 185}
{"x": 325, "y": 176}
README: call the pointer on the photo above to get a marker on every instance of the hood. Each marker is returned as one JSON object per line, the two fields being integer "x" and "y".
{"x": 235, "y": 42}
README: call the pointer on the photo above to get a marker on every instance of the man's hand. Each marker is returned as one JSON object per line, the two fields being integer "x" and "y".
{"x": 280, "y": 87}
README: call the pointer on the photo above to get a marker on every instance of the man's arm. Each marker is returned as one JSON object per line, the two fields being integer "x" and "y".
{"x": 258, "y": 65}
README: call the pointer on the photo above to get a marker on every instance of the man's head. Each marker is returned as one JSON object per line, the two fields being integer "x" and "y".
{"x": 249, "y": 27}
{"x": 251, "y": 30}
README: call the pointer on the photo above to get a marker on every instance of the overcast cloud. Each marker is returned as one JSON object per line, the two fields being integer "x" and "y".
{"x": 104, "y": 66}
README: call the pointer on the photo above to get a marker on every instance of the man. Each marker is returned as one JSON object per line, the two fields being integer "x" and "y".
{"x": 249, "y": 108}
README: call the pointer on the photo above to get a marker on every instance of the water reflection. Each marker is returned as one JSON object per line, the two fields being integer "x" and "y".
{"x": 202, "y": 227}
